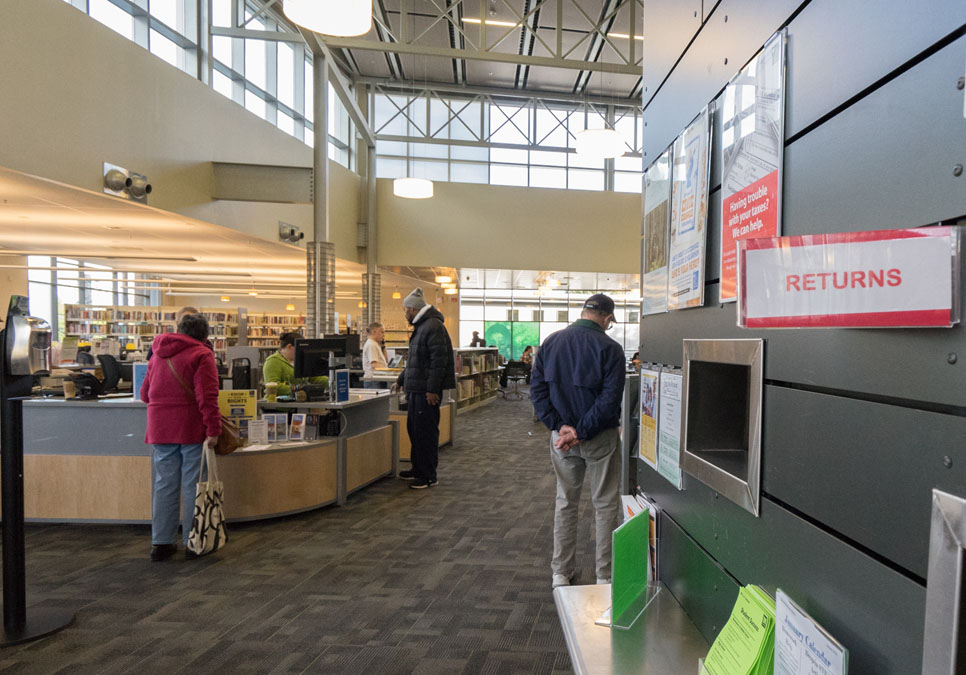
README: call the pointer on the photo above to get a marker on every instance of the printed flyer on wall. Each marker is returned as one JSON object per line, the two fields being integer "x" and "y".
{"x": 648, "y": 445}
{"x": 689, "y": 214}
{"x": 752, "y": 147}
{"x": 654, "y": 234}
{"x": 669, "y": 429}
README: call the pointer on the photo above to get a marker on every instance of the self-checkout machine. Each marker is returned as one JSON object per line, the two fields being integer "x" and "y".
{"x": 25, "y": 342}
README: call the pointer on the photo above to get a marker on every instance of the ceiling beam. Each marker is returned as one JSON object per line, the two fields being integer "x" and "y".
{"x": 499, "y": 92}
{"x": 481, "y": 55}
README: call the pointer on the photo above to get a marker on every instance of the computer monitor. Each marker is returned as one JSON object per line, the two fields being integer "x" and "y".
{"x": 350, "y": 344}
{"x": 312, "y": 357}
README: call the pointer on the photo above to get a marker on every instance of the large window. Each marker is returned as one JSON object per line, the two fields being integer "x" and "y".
{"x": 54, "y": 282}
{"x": 523, "y": 143}
{"x": 512, "y": 309}
{"x": 271, "y": 79}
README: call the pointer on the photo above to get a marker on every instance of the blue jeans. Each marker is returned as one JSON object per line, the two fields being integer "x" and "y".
{"x": 176, "y": 472}
{"x": 371, "y": 384}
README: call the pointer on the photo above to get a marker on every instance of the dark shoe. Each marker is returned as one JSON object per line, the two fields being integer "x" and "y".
{"x": 433, "y": 482}
{"x": 190, "y": 555}
{"x": 407, "y": 475}
{"x": 419, "y": 484}
{"x": 161, "y": 552}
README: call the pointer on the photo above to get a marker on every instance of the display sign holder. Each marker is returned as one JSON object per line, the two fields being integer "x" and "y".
{"x": 655, "y": 234}
{"x": 647, "y": 448}
{"x": 752, "y": 114}
{"x": 943, "y": 643}
{"x": 690, "y": 179}
{"x": 878, "y": 279}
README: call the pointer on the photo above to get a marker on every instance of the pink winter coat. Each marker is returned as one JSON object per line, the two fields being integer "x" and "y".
{"x": 172, "y": 416}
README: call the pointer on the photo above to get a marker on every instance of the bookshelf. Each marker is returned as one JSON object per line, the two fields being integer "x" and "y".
{"x": 477, "y": 377}
{"x": 140, "y": 325}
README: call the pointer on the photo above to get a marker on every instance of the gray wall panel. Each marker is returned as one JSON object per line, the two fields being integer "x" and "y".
{"x": 866, "y": 470}
{"x": 706, "y": 592}
{"x": 836, "y": 49}
{"x": 846, "y": 359}
{"x": 668, "y": 27}
{"x": 702, "y": 72}
{"x": 877, "y": 613}
{"x": 864, "y": 170}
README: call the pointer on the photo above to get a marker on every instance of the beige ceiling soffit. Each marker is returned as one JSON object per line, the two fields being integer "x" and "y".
{"x": 476, "y": 55}
{"x": 89, "y": 254}
{"x": 261, "y": 183}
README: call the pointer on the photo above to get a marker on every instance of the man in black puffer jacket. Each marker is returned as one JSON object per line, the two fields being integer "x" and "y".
{"x": 429, "y": 370}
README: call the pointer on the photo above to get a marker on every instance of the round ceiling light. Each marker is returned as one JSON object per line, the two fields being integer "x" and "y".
{"x": 443, "y": 279}
{"x": 341, "y": 18}
{"x": 450, "y": 291}
{"x": 600, "y": 144}
{"x": 412, "y": 188}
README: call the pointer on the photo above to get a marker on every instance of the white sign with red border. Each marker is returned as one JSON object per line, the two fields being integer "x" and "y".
{"x": 886, "y": 278}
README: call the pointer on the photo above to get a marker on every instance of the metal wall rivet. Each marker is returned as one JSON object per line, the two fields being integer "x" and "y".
{"x": 960, "y": 83}
{"x": 726, "y": 61}
{"x": 695, "y": 12}
{"x": 958, "y": 170}
{"x": 948, "y": 461}
{"x": 715, "y": 535}
{"x": 726, "y": 18}
{"x": 951, "y": 358}
{"x": 716, "y": 587}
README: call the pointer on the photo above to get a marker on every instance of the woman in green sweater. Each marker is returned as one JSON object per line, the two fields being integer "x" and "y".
{"x": 280, "y": 366}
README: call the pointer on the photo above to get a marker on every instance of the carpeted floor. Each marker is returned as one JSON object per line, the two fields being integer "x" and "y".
{"x": 452, "y": 579}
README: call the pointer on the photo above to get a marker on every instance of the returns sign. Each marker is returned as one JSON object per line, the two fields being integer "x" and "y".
{"x": 888, "y": 278}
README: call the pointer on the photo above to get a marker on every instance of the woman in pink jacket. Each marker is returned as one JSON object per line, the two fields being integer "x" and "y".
{"x": 181, "y": 390}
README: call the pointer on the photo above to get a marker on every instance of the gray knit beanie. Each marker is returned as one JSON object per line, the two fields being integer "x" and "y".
{"x": 415, "y": 299}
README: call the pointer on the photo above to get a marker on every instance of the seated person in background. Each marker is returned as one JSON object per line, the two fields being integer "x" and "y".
{"x": 280, "y": 366}
{"x": 499, "y": 357}
{"x": 477, "y": 341}
{"x": 527, "y": 355}
{"x": 373, "y": 355}
{"x": 636, "y": 361}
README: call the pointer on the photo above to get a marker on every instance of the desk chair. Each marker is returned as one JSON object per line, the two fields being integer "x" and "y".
{"x": 515, "y": 373}
{"x": 111, "y": 370}
{"x": 85, "y": 358}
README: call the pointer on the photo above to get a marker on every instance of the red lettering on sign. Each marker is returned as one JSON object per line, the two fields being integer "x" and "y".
{"x": 791, "y": 281}
{"x": 876, "y": 278}
{"x": 858, "y": 279}
{"x": 843, "y": 283}
{"x": 894, "y": 277}
{"x": 808, "y": 282}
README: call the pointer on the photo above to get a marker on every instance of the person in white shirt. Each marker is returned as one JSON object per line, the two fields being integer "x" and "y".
{"x": 373, "y": 355}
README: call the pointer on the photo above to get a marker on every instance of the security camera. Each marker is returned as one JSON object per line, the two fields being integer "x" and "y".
{"x": 139, "y": 186}
{"x": 116, "y": 180}
{"x": 291, "y": 234}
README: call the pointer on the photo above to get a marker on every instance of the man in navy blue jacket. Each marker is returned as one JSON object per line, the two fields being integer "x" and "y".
{"x": 576, "y": 387}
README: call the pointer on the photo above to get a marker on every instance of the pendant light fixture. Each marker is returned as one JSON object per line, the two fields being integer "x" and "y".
{"x": 412, "y": 188}
{"x": 603, "y": 143}
{"x": 599, "y": 144}
{"x": 341, "y": 18}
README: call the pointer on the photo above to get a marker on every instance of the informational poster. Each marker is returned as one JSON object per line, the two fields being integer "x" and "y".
{"x": 802, "y": 647}
{"x": 240, "y": 405}
{"x": 752, "y": 147}
{"x": 499, "y": 334}
{"x": 649, "y": 407}
{"x": 669, "y": 429}
{"x": 690, "y": 174}
{"x": 654, "y": 234}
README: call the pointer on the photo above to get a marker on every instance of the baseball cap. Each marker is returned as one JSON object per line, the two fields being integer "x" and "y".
{"x": 599, "y": 302}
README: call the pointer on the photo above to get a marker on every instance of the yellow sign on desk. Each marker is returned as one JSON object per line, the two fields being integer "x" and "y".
{"x": 239, "y": 403}
{"x": 241, "y": 406}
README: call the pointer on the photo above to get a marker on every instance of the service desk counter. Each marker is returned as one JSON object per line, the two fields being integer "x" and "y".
{"x": 447, "y": 423}
{"x": 368, "y": 440}
{"x": 86, "y": 461}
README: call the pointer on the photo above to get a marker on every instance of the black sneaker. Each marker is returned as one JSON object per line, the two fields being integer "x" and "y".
{"x": 419, "y": 484}
{"x": 433, "y": 482}
{"x": 161, "y": 552}
{"x": 407, "y": 475}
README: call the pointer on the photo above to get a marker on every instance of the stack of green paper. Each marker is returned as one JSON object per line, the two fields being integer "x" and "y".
{"x": 746, "y": 644}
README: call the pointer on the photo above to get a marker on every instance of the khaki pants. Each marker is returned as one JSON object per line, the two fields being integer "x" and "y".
{"x": 601, "y": 455}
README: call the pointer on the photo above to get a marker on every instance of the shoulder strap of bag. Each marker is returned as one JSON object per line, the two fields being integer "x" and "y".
{"x": 184, "y": 385}
{"x": 208, "y": 458}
